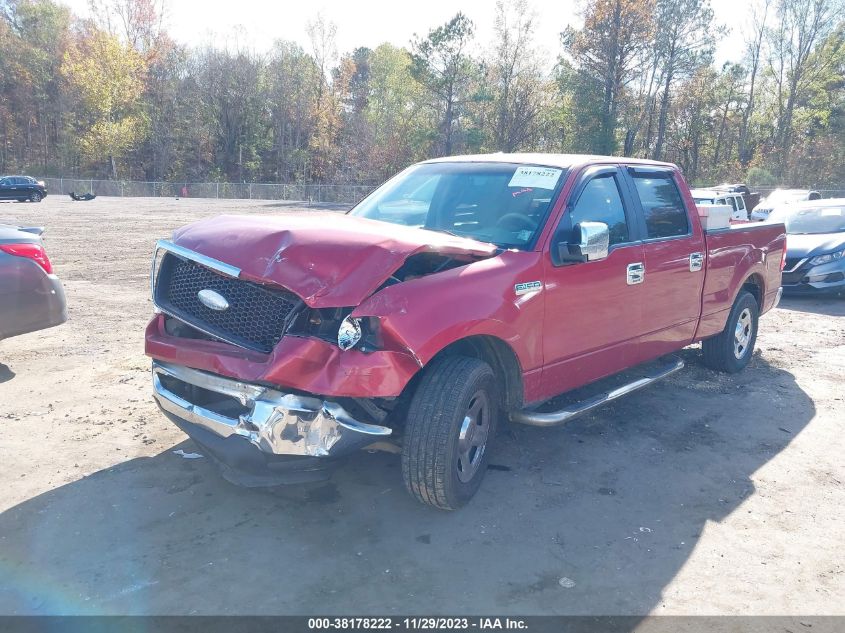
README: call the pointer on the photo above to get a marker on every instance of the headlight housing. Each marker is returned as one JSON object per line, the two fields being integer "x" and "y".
{"x": 827, "y": 258}
{"x": 349, "y": 333}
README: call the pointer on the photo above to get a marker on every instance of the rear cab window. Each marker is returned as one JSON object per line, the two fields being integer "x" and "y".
{"x": 663, "y": 209}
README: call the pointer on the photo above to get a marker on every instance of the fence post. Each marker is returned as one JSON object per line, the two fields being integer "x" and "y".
{"x": 121, "y": 189}
{"x": 250, "y": 191}
{"x": 217, "y": 195}
{"x": 91, "y": 186}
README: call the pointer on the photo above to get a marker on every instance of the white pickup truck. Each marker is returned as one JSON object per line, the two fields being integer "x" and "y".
{"x": 714, "y": 197}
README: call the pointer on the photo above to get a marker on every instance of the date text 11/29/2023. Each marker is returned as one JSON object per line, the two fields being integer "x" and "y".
{"x": 416, "y": 623}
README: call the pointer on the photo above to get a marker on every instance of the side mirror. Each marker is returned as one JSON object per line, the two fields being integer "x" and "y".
{"x": 590, "y": 242}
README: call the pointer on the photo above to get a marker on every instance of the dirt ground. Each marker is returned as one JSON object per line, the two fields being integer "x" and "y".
{"x": 705, "y": 494}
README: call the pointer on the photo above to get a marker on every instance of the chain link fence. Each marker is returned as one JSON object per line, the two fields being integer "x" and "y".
{"x": 825, "y": 193}
{"x": 338, "y": 194}
{"x": 330, "y": 194}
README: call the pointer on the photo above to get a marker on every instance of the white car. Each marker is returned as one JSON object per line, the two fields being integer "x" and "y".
{"x": 782, "y": 197}
{"x": 716, "y": 197}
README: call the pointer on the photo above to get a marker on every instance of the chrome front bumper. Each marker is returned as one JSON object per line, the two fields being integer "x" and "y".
{"x": 274, "y": 422}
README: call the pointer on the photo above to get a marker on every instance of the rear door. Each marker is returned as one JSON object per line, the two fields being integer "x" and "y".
{"x": 24, "y": 186}
{"x": 741, "y": 211}
{"x": 592, "y": 317}
{"x": 673, "y": 252}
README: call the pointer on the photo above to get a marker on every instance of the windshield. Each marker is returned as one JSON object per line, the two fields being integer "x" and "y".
{"x": 703, "y": 200}
{"x": 502, "y": 203}
{"x": 811, "y": 221}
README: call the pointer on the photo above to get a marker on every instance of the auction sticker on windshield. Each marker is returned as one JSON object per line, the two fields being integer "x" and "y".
{"x": 538, "y": 177}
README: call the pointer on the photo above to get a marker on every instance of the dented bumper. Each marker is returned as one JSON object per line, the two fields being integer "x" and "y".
{"x": 297, "y": 363}
{"x": 247, "y": 426}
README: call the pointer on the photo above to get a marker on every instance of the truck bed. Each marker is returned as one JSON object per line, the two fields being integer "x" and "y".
{"x": 732, "y": 254}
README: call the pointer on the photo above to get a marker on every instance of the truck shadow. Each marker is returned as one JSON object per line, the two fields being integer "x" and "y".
{"x": 615, "y": 502}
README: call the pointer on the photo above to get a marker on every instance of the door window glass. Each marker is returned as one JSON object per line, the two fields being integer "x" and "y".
{"x": 600, "y": 201}
{"x": 663, "y": 208}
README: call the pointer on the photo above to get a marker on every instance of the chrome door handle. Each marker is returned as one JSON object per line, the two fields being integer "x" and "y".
{"x": 696, "y": 261}
{"x": 636, "y": 273}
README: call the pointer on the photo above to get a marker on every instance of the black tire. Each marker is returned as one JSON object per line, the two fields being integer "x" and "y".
{"x": 725, "y": 351}
{"x": 35, "y": 197}
{"x": 435, "y": 467}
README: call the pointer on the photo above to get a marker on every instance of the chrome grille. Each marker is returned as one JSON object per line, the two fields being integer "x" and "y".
{"x": 256, "y": 318}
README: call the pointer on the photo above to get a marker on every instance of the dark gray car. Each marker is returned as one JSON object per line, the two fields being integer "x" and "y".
{"x": 31, "y": 296}
{"x": 815, "y": 246}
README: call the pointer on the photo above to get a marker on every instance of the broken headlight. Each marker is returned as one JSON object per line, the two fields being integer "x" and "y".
{"x": 349, "y": 333}
{"x": 335, "y": 325}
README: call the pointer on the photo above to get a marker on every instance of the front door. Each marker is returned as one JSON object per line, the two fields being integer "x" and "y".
{"x": 6, "y": 188}
{"x": 592, "y": 314}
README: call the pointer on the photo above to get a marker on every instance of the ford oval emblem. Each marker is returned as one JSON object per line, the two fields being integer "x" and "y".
{"x": 213, "y": 300}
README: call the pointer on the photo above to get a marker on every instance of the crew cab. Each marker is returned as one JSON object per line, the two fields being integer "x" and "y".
{"x": 464, "y": 292}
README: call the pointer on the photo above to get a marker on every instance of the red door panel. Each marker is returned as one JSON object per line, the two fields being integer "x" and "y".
{"x": 674, "y": 252}
{"x": 592, "y": 314}
{"x": 592, "y": 320}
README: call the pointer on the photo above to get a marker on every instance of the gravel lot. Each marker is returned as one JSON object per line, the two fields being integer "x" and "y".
{"x": 705, "y": 494}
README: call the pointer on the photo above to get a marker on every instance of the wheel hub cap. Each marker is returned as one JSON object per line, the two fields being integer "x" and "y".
{"x": 472, "y": 439}
{"x": 742, "y": 333}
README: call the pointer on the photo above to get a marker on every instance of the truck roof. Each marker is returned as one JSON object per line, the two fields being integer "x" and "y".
{"x": 564, "y": 161}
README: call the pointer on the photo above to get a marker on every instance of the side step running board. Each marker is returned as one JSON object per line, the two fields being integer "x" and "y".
{"x": 556, "y": 418}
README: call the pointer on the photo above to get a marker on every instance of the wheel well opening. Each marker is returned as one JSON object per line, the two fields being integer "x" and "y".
{"x": 501, "y": 358}
{"x": 754, "y": 285}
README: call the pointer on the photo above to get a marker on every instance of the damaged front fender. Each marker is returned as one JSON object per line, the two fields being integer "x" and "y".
{"x": 423, "y": 316}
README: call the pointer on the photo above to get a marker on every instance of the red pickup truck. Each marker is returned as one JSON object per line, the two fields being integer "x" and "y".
{"x": 463, "y": 292}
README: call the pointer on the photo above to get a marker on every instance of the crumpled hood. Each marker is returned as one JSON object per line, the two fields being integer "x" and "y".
{"x": 798, "y": 245}
{"x": 328, "y": 259}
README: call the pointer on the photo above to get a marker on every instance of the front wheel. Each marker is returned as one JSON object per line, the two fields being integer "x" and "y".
{"x": 450, "y": 423}
{"x": 35, "y": 197}
{"x": 731, "y": 350}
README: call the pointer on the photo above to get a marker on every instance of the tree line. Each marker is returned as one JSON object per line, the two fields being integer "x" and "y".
{"x": 114, "y": 96}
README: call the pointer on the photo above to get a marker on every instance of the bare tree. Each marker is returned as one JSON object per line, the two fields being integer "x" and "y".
{"x": 801, "y": 24}
{"x": 754, "y": 49}
{"x": 685, "y": 41}
{"x": 516, "y": 75}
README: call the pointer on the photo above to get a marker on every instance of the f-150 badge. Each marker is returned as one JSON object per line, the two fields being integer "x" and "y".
{"x": 528, "y": 286}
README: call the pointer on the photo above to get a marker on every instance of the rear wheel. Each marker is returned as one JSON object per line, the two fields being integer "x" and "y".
{"x": 731, "y": 350}
{"x": 35, "y": 197}
{"x": 450, "y": 423}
